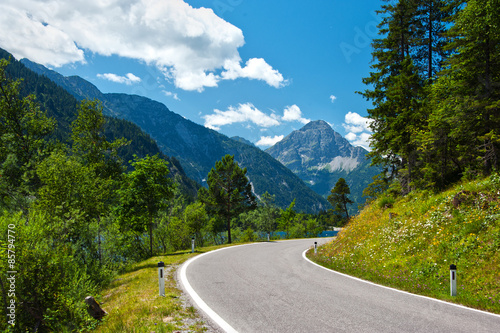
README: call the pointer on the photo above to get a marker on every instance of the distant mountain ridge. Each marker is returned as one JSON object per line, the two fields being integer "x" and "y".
{"x": 195, "y": 146}
{"x": 62, "y": 106}
{"x": 320, "y": 156}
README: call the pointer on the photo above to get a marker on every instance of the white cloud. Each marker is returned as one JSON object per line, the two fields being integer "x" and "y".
{"x": 171, "y": 94}
{"x": 248, "y": 113}
{"x": 255, "y": 68}
{"x": 28, "y": 37}
{"x": 293, "y": 113}
{"x": 333, "y": 98}
{"x": 356, "y": 123}
{"x": 358, "y": 128}
{"x": 268, "y": 141}
{"x": 127, "y": 79}
{"x": 192, "y": 46}
{"x": 242, "y": 114}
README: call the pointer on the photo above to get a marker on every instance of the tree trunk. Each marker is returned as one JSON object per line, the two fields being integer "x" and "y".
{"x": 151, "y": 236}
{"x": 99, "y": 250}
{"x": 229, "y": 230}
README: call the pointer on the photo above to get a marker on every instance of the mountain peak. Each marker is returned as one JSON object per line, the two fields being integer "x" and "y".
{"x": 316, "y": 124}
{"x": 316, "y": 145}
{"x": 320, "y": 156}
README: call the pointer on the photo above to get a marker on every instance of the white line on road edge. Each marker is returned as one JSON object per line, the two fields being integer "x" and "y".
{"x": 399, "y": 291}
{"x": 197, "y": 299}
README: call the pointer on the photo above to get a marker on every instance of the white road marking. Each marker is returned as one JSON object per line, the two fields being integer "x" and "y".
{"x": 399, "y": 291}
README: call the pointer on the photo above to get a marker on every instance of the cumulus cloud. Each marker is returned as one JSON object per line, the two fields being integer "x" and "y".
{"x": 241, "y": 114}
{"x": 127, "y": 79}
{"x": 193, "y": 47}
{"x": 268, "y": 141}
{"x": 333, "y": 98}
{"x": 358, "y": 128}
{"x": 27, "y": 37}
{"x": 293, "y": 113}
{"x": 255, "y": 68}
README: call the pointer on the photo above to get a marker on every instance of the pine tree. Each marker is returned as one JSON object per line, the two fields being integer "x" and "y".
{"x": 339, "y": 199}
{"x": 464, "y": 128}
{"x": 229, "y": 191}
{"x": 396, "y": 92}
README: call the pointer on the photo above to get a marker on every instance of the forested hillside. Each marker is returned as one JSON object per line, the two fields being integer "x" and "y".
{"x": 435, "y": 89}
{"x": 62, "y": 106}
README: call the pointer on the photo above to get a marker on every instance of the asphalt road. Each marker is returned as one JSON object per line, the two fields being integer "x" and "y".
{"x": 270, "y": 287}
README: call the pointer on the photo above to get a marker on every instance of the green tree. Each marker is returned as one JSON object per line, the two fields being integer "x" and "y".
{"x": 379, "y": 185}
{"x": 339, "y": 199}
{"x": 144, "y": 193}
{"x": 196, "y": 218}
{"x": 229, "y": 191}
{"x": 90, "y": 142}
{"x": 395, "y": 91}
{"x": 51, "y": 283}
{"x": 287, "y": 218}
{"x": 101, "y": 158}
{"x": 407, "y": 58}
{"x": 269, "y": 213}
{"x": 472, "y": 103}
{"x": 24, "y": 129}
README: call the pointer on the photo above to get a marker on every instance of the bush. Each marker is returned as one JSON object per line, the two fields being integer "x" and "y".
{"x": 50, "y": 285}
{"x": 386, "y": 202}
{"x": 248, "y": 235}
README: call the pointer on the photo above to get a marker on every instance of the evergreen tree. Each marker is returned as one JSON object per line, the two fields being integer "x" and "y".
{"x": 407, "y": 57}
{"x": 339, "y": 199}
{"x": 229, "y": 191}
{"x": 396, "y": 92}
{"x": 463, "y": 135}
{"x": 432, "y": 21}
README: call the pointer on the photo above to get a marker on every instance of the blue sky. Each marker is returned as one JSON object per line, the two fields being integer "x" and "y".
{"x": 253, "y": 68}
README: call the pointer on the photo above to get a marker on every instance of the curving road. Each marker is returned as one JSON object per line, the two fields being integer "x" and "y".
{"x": 271, "y": 287}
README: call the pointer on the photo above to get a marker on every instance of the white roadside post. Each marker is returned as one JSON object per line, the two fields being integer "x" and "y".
{"x": 161, "y": 277}
{"x": 268, "y": 237}
{"x": 192, "y": 245}
{"x": 315, "y": 247}
{"x": 453, "y": 280}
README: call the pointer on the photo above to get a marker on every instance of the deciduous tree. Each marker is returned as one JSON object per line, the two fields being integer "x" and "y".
{"x": 144, "y": 193}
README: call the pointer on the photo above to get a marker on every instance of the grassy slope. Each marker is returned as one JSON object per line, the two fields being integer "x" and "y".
{"x": 428, "y": 232}
{"x": 134, "y": 305}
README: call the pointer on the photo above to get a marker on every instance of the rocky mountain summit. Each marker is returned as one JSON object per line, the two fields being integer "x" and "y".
{"x": 320, "y": 156}
{"x": 316, "y": 146}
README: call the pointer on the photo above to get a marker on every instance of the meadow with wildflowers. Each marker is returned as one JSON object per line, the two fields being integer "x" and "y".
{"x": 411, "y": 244}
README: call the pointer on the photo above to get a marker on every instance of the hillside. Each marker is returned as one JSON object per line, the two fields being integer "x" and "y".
{"x": 62, "y": 106}
{"x": 410, "y": 243}
{"x": 320, "y": 156}
{"x": 195, "y": 146}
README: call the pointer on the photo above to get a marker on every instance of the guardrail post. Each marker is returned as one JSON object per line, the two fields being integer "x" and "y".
{"x": 161, "y": 277}
{"x": 453, "y": 280}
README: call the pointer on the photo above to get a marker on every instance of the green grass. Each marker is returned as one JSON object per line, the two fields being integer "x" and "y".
{"x": 133, "y": 303}
{"x": 427, "y": 233}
